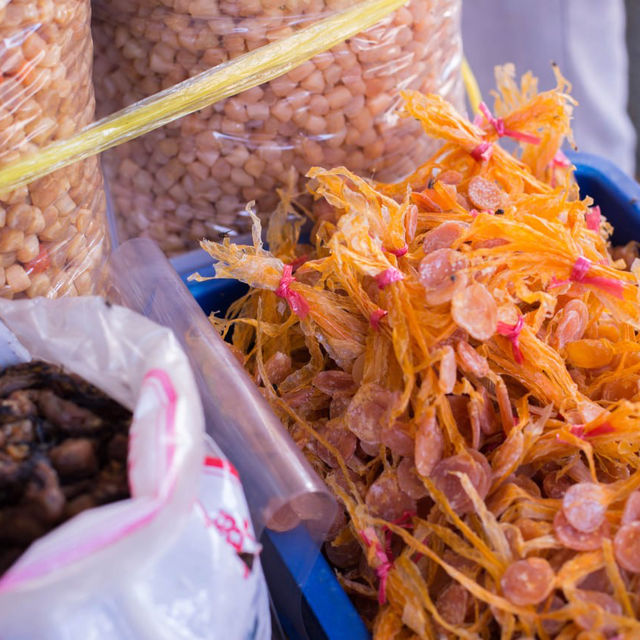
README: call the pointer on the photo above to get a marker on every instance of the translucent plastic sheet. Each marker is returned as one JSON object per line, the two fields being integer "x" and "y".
{"x": 193, "y": 178}
{"x": 53, "y": 232}
{"x": 281, "y": 488}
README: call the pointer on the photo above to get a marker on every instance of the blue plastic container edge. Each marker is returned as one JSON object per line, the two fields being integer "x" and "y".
{"x": 617, "y": 194}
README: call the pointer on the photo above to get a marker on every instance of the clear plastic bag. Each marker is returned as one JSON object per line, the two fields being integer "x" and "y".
{"x": 192, "y": 178}
{"x": 53, "y": 232}
{"x": 177, "y": 559}
{"x": 281, "y": 487}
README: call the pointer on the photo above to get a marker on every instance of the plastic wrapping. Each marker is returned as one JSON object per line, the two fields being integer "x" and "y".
{"x": 193, "y": 178}
{"x": 53, "y": 232}
{"x": 126, "y": 569}
{"x": 225, "y": 80}
{"x": 281, "y": 488}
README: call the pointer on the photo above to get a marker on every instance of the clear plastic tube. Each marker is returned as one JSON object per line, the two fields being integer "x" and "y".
{"x": 282, "y": 489}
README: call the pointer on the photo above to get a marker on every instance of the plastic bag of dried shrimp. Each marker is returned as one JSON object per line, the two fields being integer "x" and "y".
{"x": 175, "y": 559}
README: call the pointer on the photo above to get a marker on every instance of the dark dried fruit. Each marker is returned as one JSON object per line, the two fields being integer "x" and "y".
{"x": 74, "y": 457}
{"x": 63, "y": 449}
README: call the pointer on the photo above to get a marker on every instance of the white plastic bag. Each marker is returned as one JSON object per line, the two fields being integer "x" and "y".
{"x": 167, "y": 562}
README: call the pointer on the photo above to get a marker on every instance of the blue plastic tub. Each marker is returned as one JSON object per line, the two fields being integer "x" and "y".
{"x": 317, "y": 607}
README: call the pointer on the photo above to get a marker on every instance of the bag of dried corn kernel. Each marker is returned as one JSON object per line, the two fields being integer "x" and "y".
{"x": 53, "y": 232}
{"x": 193, "y": 178}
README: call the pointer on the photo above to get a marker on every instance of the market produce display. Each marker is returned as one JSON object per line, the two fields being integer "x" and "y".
{"x": 191, "y": 179}
{"x": 53, "y": 232}
{"x": 457, "y": 354}
{"x": 63, "y": 449}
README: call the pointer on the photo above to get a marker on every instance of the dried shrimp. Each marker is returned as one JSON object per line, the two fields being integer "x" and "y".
{"x": 458, "y": 356}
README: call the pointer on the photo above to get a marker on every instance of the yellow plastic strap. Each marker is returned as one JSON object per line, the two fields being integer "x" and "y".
{"x": 471, "y": 86}
{"x": 226, "y": 80}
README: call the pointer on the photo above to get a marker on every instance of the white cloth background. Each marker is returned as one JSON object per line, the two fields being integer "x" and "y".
{"x": 585, "y": 37}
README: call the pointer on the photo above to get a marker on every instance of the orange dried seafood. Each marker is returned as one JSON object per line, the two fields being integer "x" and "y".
{"x": 459, "y": 358}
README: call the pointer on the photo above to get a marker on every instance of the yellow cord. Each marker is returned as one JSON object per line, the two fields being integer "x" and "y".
{"x": 226, "y": 80}
{"x": 471, "y": 86}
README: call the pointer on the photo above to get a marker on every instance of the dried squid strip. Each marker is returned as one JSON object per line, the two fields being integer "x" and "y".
{"x": 458, "y": 356}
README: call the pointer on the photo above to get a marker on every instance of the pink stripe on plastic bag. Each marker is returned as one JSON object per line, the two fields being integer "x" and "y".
{"x": 220, "y": 463}
{"x": 42, "y": 566}
{"x": 168, "y": 399}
